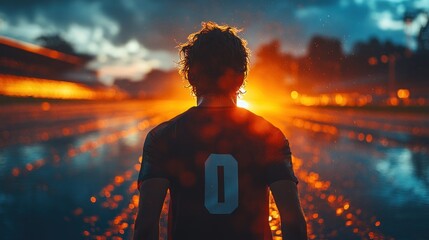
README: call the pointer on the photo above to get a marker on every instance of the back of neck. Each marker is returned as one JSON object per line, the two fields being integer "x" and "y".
{"x": 216, "y": 100}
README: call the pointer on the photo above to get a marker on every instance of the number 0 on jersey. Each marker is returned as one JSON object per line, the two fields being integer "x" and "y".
{"x": 221, "y": 184}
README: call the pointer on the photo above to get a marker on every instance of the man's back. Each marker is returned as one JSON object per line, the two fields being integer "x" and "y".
{"x": 219, "y": 162}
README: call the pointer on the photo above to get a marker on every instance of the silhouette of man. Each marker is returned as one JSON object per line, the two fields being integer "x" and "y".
{"x": 217, "y": 159}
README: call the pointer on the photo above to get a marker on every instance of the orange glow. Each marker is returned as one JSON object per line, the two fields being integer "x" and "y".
{"x": 316, "y": 127}
{"x": 393, "y": 101}
{"x": 318, "y": 184}
{"x": 403, "y": 93}
{"x": 308, "y": 100}
{"x": 324, "y": 99}
{"x": 135, "y": 200}
{"x": 117, "y": 220}
{"x": 32, "y": 87}
{"x": 66, "y": 131}
{"x": 133, "y": 187}
{"x": 339, "y": 211}
{"x": 45, "y": 88}
{"x": 93, "y": 199}
{"x": 294, "y": 95}
{"x": 339, "y": 99}
{"x": 384, "y": 59}
{"x": 342, "y": 99}
{"x": 331, "y": 198}
{"x": 29, "y": 167}
{"x": 361, "y": 136}
{"x": 40, "y": 50}
{"x": 15, "y": 172}
{"x": 45, "y": 106}
{"x": 346, "y": 206}
{"x": 368, "y": 138}
{"x": 377, "y": 224}
{"x": 117, "y": 198}
{"x": 372, "y": 61}
{"x": 119, "y": 179}
{"x": 143, "y": 125}
{"x": 110, "y": 187}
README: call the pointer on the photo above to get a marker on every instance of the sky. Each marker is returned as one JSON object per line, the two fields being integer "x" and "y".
{"x": 131, "y": 37}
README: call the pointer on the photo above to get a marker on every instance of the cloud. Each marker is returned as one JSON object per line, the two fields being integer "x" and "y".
{"x": 130, "y": 60}
{"x": 90, "y": 31}
{"x": 112, "y": 29}
{"x": 385, "y": 21}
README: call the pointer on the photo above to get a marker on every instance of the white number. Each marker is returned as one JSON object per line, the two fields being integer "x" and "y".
{"x": 221, "y": 199}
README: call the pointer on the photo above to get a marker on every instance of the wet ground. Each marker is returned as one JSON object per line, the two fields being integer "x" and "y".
{"x": 68, "y": 170}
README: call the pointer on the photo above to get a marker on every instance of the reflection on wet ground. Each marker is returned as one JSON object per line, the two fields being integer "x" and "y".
{"x": 69, "y": 172}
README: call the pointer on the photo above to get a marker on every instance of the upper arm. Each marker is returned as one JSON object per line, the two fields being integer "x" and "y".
{"x": 280, "y": 176}
{"x": 285, "y": 194}
{"x": 277, "y": 158}
{"x": 153, "y": 184}
{"x": 152, "y": 195}
{"x": 293, "y": 223}
{"x": 154, "y": 158}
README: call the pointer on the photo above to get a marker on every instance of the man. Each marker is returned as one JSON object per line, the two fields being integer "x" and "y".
{"x": 218, "y": 160}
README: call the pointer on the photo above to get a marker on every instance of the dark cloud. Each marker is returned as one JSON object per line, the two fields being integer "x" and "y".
{"x": 348, "y": 23}
{"x": 23, "y": 5}
{"x": 162, "y": 24}
{"x": 59, "y": 13}
{"x": 131, "y": 37}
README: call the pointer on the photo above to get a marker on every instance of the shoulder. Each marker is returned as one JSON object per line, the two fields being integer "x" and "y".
{"x": 270, "y": 135}
{"x": 167, "y": 128}
{"x": 262, "y": 126}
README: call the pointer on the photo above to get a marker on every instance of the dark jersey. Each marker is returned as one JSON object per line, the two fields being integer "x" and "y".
{"x": 219, "y": 162}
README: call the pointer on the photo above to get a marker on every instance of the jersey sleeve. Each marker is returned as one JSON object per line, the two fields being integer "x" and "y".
{"x": 278, "y": 159}
{"x": 153, "y": 158}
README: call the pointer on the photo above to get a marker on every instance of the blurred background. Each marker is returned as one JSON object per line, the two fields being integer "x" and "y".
{"x": 83, "y": 81}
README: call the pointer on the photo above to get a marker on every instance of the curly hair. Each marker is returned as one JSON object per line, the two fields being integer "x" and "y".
{"x": 212, "y": 59}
